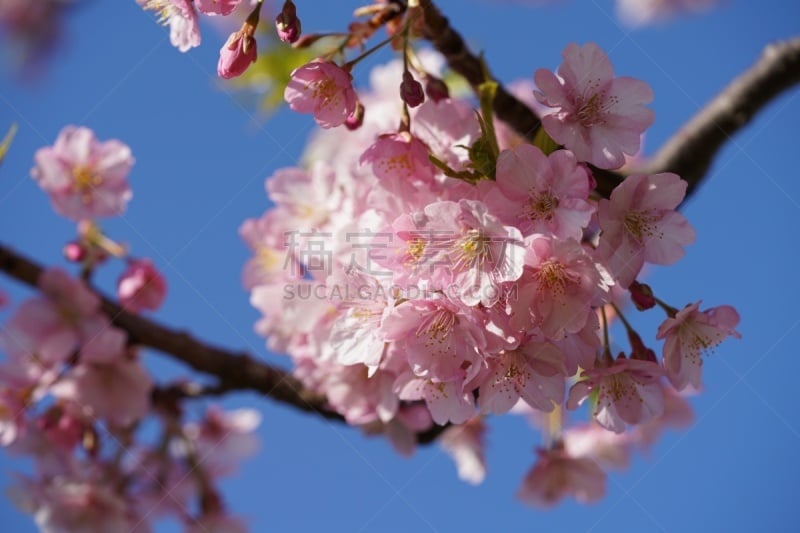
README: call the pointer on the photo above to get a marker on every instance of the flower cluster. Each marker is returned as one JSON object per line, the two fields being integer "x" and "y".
{"x": 415, "y": 285}
{"x": 73, "y": 394}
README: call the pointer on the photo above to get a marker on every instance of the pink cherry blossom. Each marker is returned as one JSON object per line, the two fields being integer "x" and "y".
{"x": 399, "y": 157}
{"x": 462, "y": 248}
{"x": 608, "y": 449}
{"x": 324, "y": 89}
{"x": 540, "y": 194}
{"x": 640, "y": 224}
{"x": 238, "y": 53}
{"x": 465, "y": 444}
{"x": 63, "y": 503}
{"x": 141, "y": 286}
{"x": 533, "y": 373}
{"x": 12, "y": 415}
{"x": 690, "y": 334}
{"x": 359, "y": 396}
{"x": 118, "y": 391}
{"x": 55, "y": 325}
{"x": 557, "y": 474}
{"x": 560, "y": 285}
{"x": 678, "y": 414}
{"x": 356, "y": 335}
{"x": 599, "y": 117}
{"x": 628, "y": 391}
{"x": 84, "y": 177}
{"x": 441, "y": 338}
{"x": 643, "y": 12}
{"x": 217, "y": 7}
{"x": 184, "y": 31}
{"x": 223, "y": 438}
{"x": 446, "y": 401}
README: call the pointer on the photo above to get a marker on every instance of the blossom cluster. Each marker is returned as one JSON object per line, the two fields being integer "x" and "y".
{"x": 75, "y": 396}
{"x": 416, "y": 285}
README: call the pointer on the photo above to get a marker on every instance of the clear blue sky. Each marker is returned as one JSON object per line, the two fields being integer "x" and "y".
{"x": 202, "y": 157}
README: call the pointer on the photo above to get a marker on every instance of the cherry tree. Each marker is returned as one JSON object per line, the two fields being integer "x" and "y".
{"x": 450, "y": 249}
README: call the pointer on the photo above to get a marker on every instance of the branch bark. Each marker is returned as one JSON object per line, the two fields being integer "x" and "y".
{"x": 690, "y": 152}
{"x": 233, "y": 371}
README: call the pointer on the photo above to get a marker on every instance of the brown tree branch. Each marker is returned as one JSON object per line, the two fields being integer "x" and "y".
{"x": 451, "y": 45}
{"x": 233, "y": 371}
{"x": 690, "y": 152}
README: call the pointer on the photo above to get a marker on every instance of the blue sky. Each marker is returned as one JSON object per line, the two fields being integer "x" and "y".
{"x": 202, "y": 156}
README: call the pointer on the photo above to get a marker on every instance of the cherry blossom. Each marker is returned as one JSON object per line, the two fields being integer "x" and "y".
{"x": 324, "y": 89}
{"x": 84, "y": 177}
{"x": 116, "y": 391}
{"x": 541, "y": 194}
{"x": 441, "y": 338}
{"x": 465, "y": 444}
{"x": 627, "y": 392}
{"x": 533, "y": 373}
{"x": 184, "y": 30}
{"x": 640, "y": 224}
{"x": 690, "y": 334}
{"x": 141, "y": 286}
{"x": 217, "y": 7}
{"x": 222, "y": 438}
{"x": 597, "y": 116}
{"x": 399, "y": 157}
{"x": 558, "y": 474}
{"x": 446, "y": 401}
{"x": 642, "y": 12}
{"x": 562, "y": 285}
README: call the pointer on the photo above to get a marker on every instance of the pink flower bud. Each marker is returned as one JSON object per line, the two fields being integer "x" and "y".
{"x": 356, "y": 118}
{"x": 74, "y": 252}
{"x": 642, "y": 296}
{"x": 238, "y": 52}
{"x": 141, "y": 286}
{"x": 287, "y": 24}
{"x": 411, "y": 90}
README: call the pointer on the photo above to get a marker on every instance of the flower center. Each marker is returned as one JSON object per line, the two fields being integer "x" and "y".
{"x": 415, "y": 249}
{"x": 472, "y": 249}
{"x": 552, "y": 275}
{"x": 542, "y": 206}
{"x": 641, "y": 225}
{"x": 85, "y": 180}
{"x": 593, "y": 110}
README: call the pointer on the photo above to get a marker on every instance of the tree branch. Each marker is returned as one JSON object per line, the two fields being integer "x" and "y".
{"x": 234, "y": 371}
{"x": 690, "y": 152}
{"x": 451, "y": 45}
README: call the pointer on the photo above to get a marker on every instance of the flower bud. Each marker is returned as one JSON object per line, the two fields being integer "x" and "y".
{"x": 287, "y": 24}
{"x": 74, "y": 252}
{"x": 356, "y": 118}
{"x": 238, "y": 52}
{"x": 436, "y": 89}
{"x": 411, "y": 90}
{"x": 642, "y": 296}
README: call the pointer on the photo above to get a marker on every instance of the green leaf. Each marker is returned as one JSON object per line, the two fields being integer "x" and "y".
{"x": 6, "y": 144}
